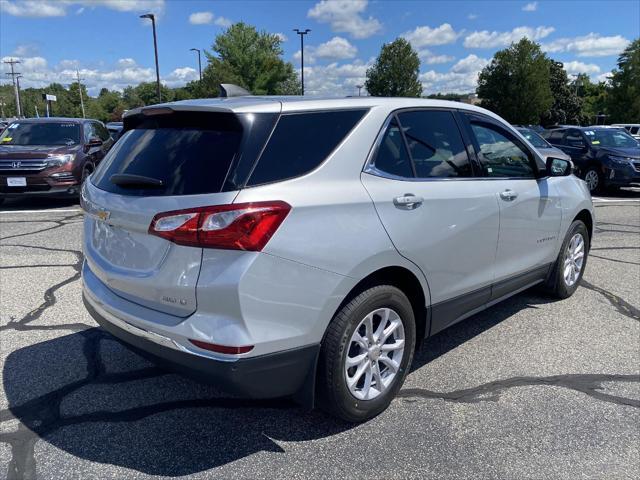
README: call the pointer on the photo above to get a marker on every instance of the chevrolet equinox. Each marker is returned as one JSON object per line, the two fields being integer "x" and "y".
{"x": 305, "y": 248}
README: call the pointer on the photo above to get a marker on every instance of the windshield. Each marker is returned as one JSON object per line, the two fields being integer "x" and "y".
{"x": 535, "y": 139}
{"x": 49, "y": 133}
{"x": 611, "y": 138}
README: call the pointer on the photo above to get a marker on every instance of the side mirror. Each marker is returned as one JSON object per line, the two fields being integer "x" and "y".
{"x": 94, "y": 142}
{"x": 559, "y": 167}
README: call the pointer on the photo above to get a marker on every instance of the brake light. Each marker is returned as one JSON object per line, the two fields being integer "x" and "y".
{"x": 242, "y": 226}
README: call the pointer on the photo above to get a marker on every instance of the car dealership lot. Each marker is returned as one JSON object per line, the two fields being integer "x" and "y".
{"x": 530, "y": 388}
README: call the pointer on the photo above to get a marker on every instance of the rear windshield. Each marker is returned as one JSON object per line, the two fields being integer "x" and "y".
{"x": 190, "y": 154}
{"x": 301, "y": 142}
{"x": 49, "y": 133}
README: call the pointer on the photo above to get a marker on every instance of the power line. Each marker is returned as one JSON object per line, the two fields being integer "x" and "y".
{"x": 13, "y": 76}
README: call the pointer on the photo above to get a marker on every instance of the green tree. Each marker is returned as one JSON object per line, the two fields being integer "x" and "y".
{"x": 624, "y": 97}
{"x": 516, "y": 84}
{"x": 566, "y": 106}
{"x": 395, "y": 71}
{"x": 248, "y": 58}
{"x": 594, "y": 97}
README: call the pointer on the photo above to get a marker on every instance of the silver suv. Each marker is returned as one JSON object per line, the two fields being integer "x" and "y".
{"x": 305, "y": 248}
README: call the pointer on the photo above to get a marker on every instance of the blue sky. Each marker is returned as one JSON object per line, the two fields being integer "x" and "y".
{"x": 112, "y": 47}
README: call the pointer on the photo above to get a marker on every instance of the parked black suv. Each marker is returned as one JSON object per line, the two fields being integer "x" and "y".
{"x": 604, "y": 157}
{"x": 50, "y": 156}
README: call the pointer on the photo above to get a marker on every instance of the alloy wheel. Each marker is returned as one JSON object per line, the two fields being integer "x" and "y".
{"x": 374, "y": 354}
{"x": 573, "y": 260}
{"x": 592, "y": 179}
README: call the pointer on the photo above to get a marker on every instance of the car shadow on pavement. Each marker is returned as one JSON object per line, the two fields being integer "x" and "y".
{"x": 89, "y": 396}
{"x": 35, "y": 203}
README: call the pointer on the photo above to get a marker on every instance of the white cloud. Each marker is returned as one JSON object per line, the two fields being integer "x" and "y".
{"x": 32, "y": 8}
{"x": 58, "y": 8}
{"x": 427, "y": 36}
{"x": 472, "y": 16}
{"x": 337, "y": 48}
{"x": 223, "y": 22}
{"x": 430, "y": 58}
{"x": 37, "y": 73}
{"x": 530, "y": 7}
{"x": 334, "y": 79}
{"x": 282, "y": 37}
{"x": 591, "y": 45}
{"x": 346, "y": 16}
{"x": 576, "y": 67}
{"x": 461, "y": 78}
{"x": 201, "y": 18}
{"x": 26, "y": 50}
{"x": 486, "y": 39}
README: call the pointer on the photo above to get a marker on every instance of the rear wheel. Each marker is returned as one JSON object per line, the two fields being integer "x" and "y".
{"x": 594, "y": 180}
{"x": 571, "y": 262}
{"x": 366, "y": 354}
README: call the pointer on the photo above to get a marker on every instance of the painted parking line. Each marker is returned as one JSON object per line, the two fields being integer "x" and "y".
{"x": 44, "y": 210}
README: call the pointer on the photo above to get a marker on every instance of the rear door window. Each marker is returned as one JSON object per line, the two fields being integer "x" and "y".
{"x": 301, "y": 142}
{"x": 189, "y": 153}
{"x": 435, "y": 144}
{"x": 392, "y": 156}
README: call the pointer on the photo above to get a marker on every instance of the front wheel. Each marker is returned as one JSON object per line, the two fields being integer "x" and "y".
{"x": 571, "y": 262}
{"x": 366, "y": 354}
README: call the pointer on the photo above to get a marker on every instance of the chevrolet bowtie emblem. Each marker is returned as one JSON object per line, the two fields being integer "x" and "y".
{"x": 103, "y": 215}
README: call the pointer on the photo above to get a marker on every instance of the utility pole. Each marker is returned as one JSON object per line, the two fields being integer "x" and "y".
{"x": 80, "y": 90}
{"x": 13, "y": 75}
{"x": 199, "y": 62}
{"x": 18, "y": 77}
{"x": 359, "y": 87}
{"x": 152, "y": 17}
{"x": 302, "y": 33}
{"x": 2, "y": 108}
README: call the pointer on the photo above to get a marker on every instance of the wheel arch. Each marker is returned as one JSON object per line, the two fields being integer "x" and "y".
{"x": 405, "y": 280}
{"x": 585, "y": 217}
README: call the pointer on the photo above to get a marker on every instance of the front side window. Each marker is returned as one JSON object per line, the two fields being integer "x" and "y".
{"x": 301, "y": 142}
{"x": 392, "y": 156}
{"x": 500, "y": 155}
{"x": 435, "y": 144}
{"x": 45, "y": 133}
{"x": 101, "y": 131}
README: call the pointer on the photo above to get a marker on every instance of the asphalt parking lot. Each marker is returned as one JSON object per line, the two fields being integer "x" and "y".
{"x": 530, "y": 388}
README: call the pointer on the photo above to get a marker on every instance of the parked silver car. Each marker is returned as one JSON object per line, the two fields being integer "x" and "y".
{"x": 305, "y": 248}
{"x": 544, "y": 148}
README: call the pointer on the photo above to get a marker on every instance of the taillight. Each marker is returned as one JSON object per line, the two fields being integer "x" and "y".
{"x": 242, "y": 226}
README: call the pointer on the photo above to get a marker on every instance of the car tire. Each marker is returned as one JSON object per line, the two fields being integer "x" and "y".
{"x": 594, "y": 179}
{"x": 1, "y": 200}
{"x": 341, "y": 391}
{"x": 560, "y": 284}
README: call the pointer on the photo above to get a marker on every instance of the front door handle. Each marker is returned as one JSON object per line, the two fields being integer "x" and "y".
{"x": 408, "y": 201}
{"x": 508, "y": 195}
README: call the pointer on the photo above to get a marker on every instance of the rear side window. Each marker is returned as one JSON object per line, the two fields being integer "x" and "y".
{"x": 435, "y": 144}
{"x": 301, "y": 142}
{"x": 190, "y": 153}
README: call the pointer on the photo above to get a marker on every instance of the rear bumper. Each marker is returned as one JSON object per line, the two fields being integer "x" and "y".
{"x": 281, "y": 374}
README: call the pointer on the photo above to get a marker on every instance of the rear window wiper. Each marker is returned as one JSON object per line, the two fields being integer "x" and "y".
{"x": 128, "y": 180}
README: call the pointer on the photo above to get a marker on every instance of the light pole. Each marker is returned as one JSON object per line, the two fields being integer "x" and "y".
{"x": 18, "y": 89}
{"x": 152, "y": 17}
{"x": 359, "y": 87}
{"x": 199, "y": 62}
{"x": 302, "y": 33}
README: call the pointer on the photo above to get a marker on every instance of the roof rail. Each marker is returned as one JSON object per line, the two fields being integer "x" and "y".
{"x": 231, "y": 90}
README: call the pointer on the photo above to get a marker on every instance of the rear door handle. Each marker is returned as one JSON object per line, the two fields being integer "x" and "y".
{"x": 508, "y": 195}
{"x": 408, "y": 201}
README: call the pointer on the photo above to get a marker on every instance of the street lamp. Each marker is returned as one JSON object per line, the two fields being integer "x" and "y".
{"x": 199, "y": 63}
{"x": 152, "y": 17}
{"x": 302, "y": 33}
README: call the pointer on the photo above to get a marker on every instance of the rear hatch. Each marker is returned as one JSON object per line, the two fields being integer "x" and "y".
{"x": 165, "y": 161}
